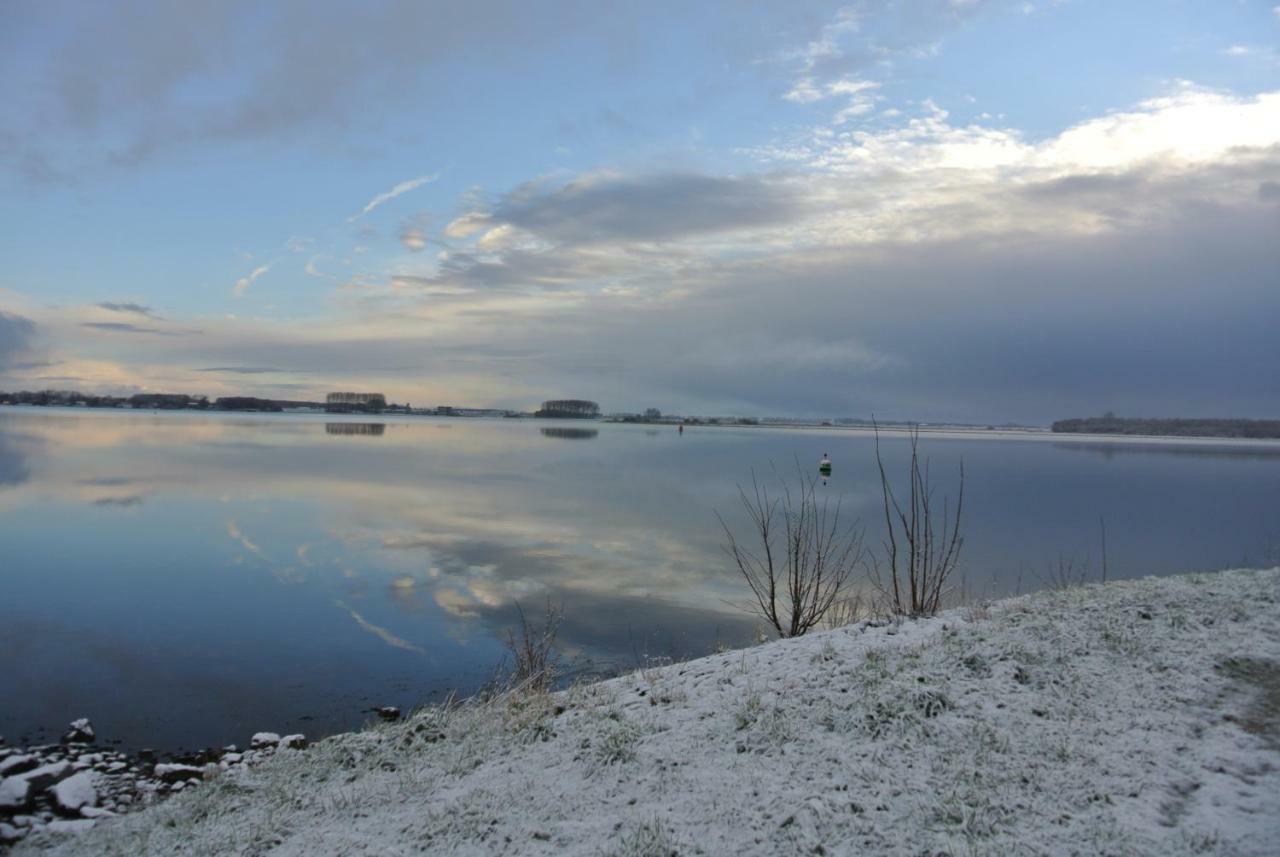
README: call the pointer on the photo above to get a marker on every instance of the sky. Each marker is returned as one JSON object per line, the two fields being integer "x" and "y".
{"x": 969, "y": 210}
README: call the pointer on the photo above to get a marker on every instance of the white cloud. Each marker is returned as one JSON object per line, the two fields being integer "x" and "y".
{"x": 414, "y": 239}
{"x": 242, "y": 285}
{"x": 827, "y": 45}
{"x": 468, "y": 224}
{"x": 804, "y": 92}
{"x": 311, "y": 270}
{"x": 402, "y": 188}
{"x": 1191, "y": 125}
{"x": 861, "y": 95}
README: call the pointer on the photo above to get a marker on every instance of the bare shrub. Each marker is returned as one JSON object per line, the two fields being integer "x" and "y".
{"x": 1066, "y": 574}
{"x": 921, "y": 552}
{"x": 846, "y": 611}
{"x": 533, "y": 657}
{"x": 800, "y": 556}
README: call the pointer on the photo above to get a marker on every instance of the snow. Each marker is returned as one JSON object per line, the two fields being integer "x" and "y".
{"x": 1134, "y": 718}
{"x": 176, "y": 773}
{"x": 96, "y": 812}
{"x": 263, "y": 739}
{"x": 81, "y": 730}
{"x": 46, "y": 775}
{"x": 75, "y": 792}
{"x": 14, "y": 793}
{"x": 17, "y": 764}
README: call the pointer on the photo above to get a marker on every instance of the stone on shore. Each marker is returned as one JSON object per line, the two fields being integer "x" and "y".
{"x": 15, "y": 793}
{"x": 74, "y": 793}
{"x": 18, "y": 764}
{"x": 96, "y": 812}
{"x": 264, "y": 740}
{"x": 294, "y": 742}
{"x": 175, "y": 773}
{"x": 10, "y": 834}
{"x": 46, "y": 775}
{"x": 80, "y": 732}
{"x": 388, "y": 712}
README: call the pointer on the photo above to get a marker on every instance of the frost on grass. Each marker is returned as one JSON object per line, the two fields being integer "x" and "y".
{"x": 1133, "y": 718}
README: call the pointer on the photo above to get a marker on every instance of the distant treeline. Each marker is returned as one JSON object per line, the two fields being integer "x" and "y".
{"x": 1170, "y": 427}
{"x": 147, "y": 401}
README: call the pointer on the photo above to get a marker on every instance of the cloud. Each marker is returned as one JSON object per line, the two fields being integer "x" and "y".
{"x": 668, "y": 206}
{"x": 128, "y": 308}
{"x": 402, "y": 188}
{"x": 242, "y": 285}
{"x": 121, "y": 88}
{"x": 311, "y": 270}
{"x": 413, "y": 233}
{"x": 125, "y": 327}
{"x": 247, "y": 370}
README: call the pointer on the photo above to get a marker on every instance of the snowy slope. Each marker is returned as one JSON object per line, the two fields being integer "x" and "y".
{"x": 1136, "y": 718}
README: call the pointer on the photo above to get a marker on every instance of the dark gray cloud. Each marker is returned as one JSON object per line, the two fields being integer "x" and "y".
{"x": 249, "y": 370}
{"x": 129, "y": 308}
{"x": 16, "y": 336}
{"x": 137, "y": 80}
{"x": 125, "y": 327}
{"x": 651, "y": 208}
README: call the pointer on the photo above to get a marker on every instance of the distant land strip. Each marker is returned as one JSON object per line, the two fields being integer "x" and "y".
{"x": 1170, "y": 427}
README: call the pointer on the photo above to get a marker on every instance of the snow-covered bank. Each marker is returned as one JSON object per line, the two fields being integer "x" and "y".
{"x": 1137, "y": 718}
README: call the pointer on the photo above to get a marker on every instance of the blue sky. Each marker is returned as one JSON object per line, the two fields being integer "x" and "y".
{"x": 942, "y": 209}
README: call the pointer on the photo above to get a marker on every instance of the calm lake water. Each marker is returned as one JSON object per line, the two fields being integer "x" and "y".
{"x": 185, "y": 579}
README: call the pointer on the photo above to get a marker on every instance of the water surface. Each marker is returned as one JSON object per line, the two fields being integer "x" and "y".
{"x": 186, "y": 579}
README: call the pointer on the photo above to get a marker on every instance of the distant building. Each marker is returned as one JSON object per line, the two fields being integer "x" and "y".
{"x": 355, "y": 403}
{"x": 577, "y": 409}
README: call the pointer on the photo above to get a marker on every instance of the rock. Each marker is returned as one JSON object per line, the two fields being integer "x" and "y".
{"x": 178, "y": 773}
{"x": 294, "y": 742}
{"x": 9, "y": 833}
{"x": 96, "y": 812}
{"x": 146, "y": 754}
{"x": 263, "y": 740}
{"x": 388, "y": 712}
{"x": 18, "y": 764}
{"x": 46, "y": 775}
{"x": 80, "y": 732}
{"x": 24, "y": 820}
{"x": 117, "y": 767}
{"x": 74, "y": 793}
{"x": 232, "y": 758}
{"x": 231, "y": 748}
{"x": 80, "y": 825}
{"x": 15, "y": 793}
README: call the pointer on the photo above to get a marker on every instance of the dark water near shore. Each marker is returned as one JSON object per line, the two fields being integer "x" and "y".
{"x": 185, "y": 580}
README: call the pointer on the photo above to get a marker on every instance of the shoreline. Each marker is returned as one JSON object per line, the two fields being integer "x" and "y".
{"x": 1131, "y": 716}
{"x": 940, "y": 431}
